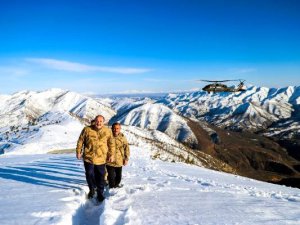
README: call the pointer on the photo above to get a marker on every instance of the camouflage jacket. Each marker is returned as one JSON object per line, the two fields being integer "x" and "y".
{"x": 96, "y": 145}
{"x": 122, "y": 150}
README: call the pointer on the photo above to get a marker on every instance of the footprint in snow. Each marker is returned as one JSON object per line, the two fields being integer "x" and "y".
{"x": 206, "y": 184}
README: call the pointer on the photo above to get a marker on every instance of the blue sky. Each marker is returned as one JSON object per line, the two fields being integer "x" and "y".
{"x": 110, "y": 46}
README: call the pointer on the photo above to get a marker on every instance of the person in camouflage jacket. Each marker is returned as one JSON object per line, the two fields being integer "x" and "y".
{"x": 114, "y": 169}
{"x": 96, "y": 145}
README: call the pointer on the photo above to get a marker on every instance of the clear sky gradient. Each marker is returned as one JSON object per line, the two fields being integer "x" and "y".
{"x": 110, "y": 46}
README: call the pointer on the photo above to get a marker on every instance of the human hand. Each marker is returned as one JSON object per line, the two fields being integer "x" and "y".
{"x": 111, "y": 159}
{"x": 78, "y": 156}
{"x": 125, "y": 162}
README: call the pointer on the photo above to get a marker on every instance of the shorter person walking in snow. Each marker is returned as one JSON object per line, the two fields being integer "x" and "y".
{"x": 97, "y": 147}
{"x": 121, "y": 157}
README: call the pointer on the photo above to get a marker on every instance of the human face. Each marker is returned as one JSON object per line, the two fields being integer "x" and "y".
{"x": 116, "y": 130}
{"x": 99, "y": 122}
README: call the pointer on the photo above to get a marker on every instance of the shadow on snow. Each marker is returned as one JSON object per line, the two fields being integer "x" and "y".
{"x": 56, "y": 173}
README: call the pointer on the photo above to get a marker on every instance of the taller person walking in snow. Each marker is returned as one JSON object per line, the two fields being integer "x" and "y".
{"x": 122, "y": 153}
{"x": 96, "y": 146}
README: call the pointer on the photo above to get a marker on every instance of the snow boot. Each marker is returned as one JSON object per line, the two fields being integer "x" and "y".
{"x": 91, "y": 194}
{"x": 100, "y": 198}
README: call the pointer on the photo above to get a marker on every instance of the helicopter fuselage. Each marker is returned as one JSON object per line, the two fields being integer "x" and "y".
{"x": 217, "y": 87}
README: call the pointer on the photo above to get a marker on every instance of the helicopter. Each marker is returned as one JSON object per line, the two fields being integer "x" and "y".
{"x": 218, "y": 86}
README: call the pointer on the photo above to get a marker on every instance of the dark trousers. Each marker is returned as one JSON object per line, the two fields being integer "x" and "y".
{"x": 95, "y": 176}
{"x": 114, "y": 175}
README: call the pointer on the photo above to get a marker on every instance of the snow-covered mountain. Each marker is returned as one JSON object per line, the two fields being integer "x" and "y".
{"x": 276, "y": 112}
{"x": 28, "y": 106}
{"x": 155, "y": 116}
{"x": 33, "y": 121}
{"x": 190, "y": 124}
{"x": 37, "y": 122}
{"x": 52, "y": 120}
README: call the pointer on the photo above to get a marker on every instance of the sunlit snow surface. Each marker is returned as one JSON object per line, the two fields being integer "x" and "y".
{"x": 50, "y": 189}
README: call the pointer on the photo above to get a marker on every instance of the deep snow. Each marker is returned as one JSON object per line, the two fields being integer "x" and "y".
{"x": 50, "y": 189}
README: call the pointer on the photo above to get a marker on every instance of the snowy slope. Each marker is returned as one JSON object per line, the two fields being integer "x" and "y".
{"x": 46, "y": 136}
{"x": 40, "y": 189}
{"x": 50, "y": 189}
{"x": 167, "y": 149}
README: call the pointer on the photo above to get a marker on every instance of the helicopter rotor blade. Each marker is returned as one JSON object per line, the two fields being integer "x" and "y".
{"x": 216, "y": 81}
